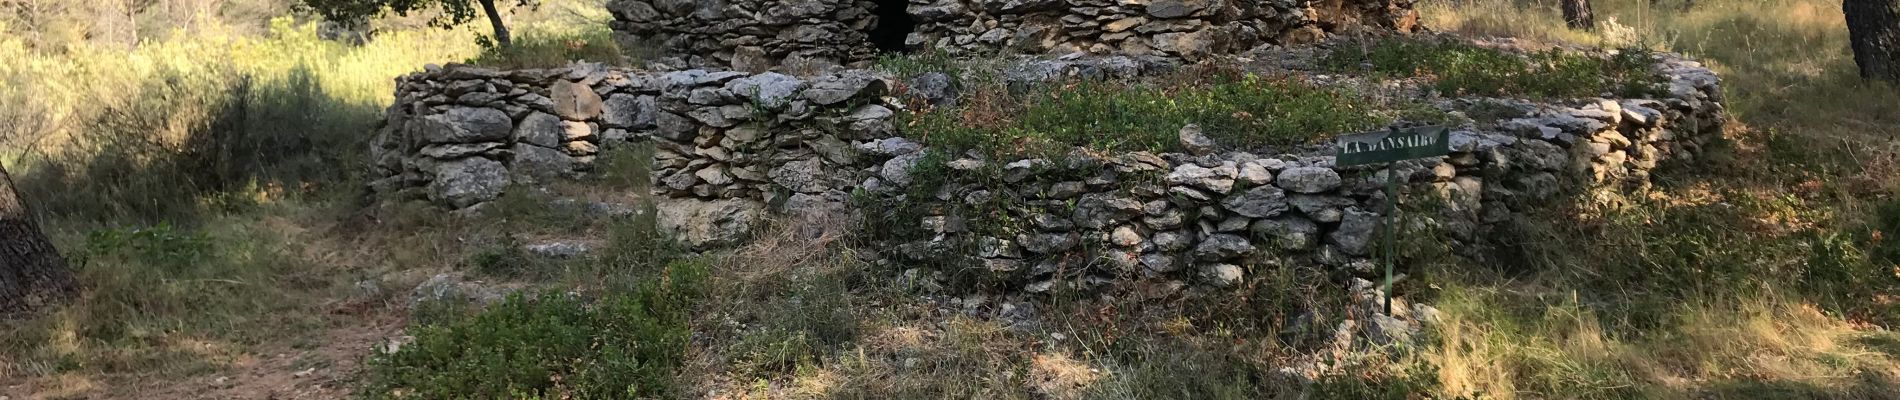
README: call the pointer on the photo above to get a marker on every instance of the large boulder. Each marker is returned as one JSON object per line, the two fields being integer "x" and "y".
{"x": 704, "y": 224}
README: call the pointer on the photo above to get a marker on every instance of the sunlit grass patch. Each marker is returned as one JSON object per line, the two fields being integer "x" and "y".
{"x": 1462, "y": 68}
{"x": 543, "y": 50}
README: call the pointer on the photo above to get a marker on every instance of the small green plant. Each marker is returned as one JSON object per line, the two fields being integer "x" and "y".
{"x": 550, "y": 345}
{"x": 504, "y": 260}
{"x": 805, "y": 320}
{"x": 161, "y": 246}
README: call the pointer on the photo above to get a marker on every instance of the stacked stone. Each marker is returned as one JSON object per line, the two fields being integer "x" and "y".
{"x": 1092, "y": 219}
{"x": 459, "y": 135}
{"x": 728, "y": 144}
{"x": 733, "y": 135}
{"x": 749, "y": 35}
{"x": 1186, "y": 29}
{"x": 756, "y": 35}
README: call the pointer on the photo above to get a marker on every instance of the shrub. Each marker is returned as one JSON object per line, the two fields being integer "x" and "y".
{"x": 550, "y": 345}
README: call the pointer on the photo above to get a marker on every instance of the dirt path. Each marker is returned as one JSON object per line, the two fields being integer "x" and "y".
{"x": 277, "y": 371}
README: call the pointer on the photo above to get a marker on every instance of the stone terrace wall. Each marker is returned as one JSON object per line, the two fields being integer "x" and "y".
{"x": 756, "y": 35}
{"x": 733, "y": 146}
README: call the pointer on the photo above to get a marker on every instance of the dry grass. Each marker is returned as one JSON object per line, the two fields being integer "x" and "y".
{"x": 1812, "y": 150}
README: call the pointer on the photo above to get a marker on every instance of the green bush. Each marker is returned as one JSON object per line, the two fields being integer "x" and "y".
{"x": 1458, "y": 67}
{"x": 552, "y": 345}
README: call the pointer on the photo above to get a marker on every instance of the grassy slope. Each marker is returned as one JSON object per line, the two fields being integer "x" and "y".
{"x": 1757, "y": 277}
{"x": 1760, "y": 276}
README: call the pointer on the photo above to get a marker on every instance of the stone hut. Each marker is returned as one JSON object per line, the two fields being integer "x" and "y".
{"x": 757, "y": 35}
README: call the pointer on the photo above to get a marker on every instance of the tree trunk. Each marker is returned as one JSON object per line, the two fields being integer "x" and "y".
{"x": 494, "y": 19}
{"x": 1578, "y": 16}
{"x": 31, "y": 272}
{"x": 1873, "y": 27}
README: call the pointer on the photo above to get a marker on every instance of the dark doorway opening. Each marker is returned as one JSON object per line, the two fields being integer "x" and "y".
{"x": 893, "y": 25}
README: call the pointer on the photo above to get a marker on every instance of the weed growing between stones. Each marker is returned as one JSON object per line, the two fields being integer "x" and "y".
{"x": 912, "y": 64}
{"x": 1462, "y": 68}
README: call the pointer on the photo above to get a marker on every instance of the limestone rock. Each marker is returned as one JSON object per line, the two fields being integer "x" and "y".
{"x": 1222, "y": 246}
{"x": 1210, "y": 179}
{"x": 896, "y": 171}
{"x": 1309, "y": 179}
{"x": 1196, "y": 142}
{"x": 1289, "y": 232}
{"x": 1355, "y": 232}
{"x": 1101, "y": 210}
{"x": 771, "y": 90}
{"x": 465, "y": 182}
{"x": 629, "y": 111}
{"x": 541, "y": 163}
{"x": 540, "y": 129}
{"x": 574, "y": 101}
{"x": 802, "y": 176}
{"x": 1259, "y": 202}
{"x": 1175, "y": 8}
{"x": 465, "y": 125}
{"x": 1223, "y": 275}
{"x": 935, "y": 88}
{"x": 836, "y": 89}
{"x": 704, "y": 224}
{"x": 1047, "y": 243}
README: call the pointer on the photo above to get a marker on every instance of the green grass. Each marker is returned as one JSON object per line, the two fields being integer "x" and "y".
{"x": 1238, "y": 111}
{"x": 1462, "y": 68}
{"x": 149, "y": 288}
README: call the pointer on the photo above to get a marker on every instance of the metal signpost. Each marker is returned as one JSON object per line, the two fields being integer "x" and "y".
{"x": 1389, "y": 147}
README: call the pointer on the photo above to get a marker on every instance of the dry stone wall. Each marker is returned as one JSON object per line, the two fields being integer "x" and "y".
{"x": 756, "y": 35}
{"x": 730, "y": 147}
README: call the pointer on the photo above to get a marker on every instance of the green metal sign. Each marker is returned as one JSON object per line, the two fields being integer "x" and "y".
{"x": 1394, "y": 145}
{"x": 1389, "y": 147}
